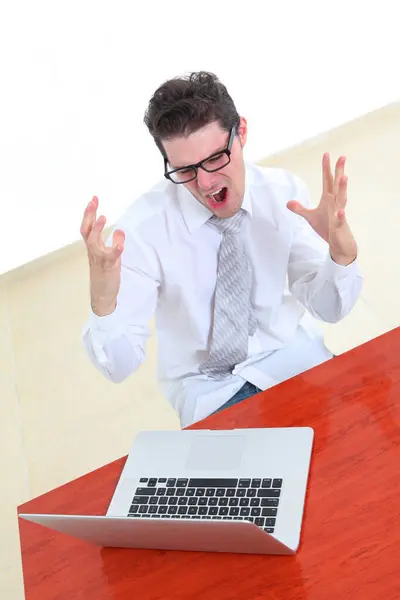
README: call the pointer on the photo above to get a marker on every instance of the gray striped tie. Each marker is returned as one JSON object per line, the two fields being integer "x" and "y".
{"x": 233, "y": 319}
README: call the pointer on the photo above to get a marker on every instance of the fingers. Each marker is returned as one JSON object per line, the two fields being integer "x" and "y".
{"x": 327, "y": 178}
{"x": 118, "y": 243}
{"x": 339, "y": 172}
{"x": 94, "y": 238}
{"x": 89, "y": 217}
{"x": 341, "y": 198}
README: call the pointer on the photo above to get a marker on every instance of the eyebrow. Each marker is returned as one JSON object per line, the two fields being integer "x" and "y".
{"x": 222, "y": 149}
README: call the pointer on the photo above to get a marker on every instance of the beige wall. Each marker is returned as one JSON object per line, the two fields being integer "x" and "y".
{"x": 59, "y": 418}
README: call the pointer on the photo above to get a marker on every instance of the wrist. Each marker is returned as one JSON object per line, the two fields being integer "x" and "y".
{"x": 343, "y": 260}
{"x": 103, "y": 308}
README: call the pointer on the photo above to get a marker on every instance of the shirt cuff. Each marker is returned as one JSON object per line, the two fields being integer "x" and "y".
{"x": 332, "y": 271}
{"x": 111, "y": 323}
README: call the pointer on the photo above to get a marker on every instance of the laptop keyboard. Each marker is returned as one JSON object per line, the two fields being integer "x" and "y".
{"x": 254, "y": 500}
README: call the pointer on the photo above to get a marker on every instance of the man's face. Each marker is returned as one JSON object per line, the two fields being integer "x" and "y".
{"x": 185, "y": 151}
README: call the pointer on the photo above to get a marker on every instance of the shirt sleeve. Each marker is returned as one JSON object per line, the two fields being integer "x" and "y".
{"x": 116, "y": 343}
{"x": 326, "y": 289}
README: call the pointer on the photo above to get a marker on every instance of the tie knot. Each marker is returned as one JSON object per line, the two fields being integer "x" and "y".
{"x": 229, "y": 225}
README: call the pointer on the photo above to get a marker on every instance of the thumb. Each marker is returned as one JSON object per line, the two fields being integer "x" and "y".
{"x": 298, "y": 209}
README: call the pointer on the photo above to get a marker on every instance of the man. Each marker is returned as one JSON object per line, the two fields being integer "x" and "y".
{"x": 229, "y": 257}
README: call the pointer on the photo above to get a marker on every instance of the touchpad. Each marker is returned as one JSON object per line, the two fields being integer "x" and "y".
{"x": 216, "y": 452}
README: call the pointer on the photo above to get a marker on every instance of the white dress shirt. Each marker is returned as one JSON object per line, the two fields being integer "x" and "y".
{"x": 169, "y": 268}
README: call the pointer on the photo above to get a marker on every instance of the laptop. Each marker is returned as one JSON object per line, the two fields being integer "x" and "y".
{"x": 240, "y": 491}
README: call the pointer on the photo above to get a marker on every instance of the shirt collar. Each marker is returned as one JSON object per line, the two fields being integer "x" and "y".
{"x": 196, "y": 214}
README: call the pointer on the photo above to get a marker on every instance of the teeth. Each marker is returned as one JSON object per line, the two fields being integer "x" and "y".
{"x": 215, "y": 193}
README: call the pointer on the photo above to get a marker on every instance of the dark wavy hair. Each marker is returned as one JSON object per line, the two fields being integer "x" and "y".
{"x": 182, "y": 105}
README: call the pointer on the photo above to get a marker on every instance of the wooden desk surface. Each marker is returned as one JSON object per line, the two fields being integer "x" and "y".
{"x": 350, "y": 544}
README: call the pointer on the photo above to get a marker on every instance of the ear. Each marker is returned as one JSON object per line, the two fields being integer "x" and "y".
{"x": 242, "y": 131}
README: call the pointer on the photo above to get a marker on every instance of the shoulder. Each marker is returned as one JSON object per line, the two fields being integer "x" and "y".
{"x": 276, "y": 179}
{"x": 148, "y": 214}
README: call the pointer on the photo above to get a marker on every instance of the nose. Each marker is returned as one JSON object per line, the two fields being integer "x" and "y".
{"x": 206, "y": 181}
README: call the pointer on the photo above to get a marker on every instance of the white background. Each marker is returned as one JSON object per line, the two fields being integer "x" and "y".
{"x": 76, "y": 77}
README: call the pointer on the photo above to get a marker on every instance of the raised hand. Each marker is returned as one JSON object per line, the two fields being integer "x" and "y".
{"x": 104, "y": 262}
{"x": 329, "y": 219}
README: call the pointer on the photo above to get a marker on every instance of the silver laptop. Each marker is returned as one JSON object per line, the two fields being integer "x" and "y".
{"x": 239, "y": 491}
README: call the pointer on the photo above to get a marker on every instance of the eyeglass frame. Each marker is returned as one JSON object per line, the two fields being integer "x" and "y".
{"x": 199, "y": 165}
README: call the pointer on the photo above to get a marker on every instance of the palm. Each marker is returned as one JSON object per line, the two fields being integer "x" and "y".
{"x": 328, "y": 219}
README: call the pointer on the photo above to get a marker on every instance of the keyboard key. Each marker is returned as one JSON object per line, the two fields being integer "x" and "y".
{"x": 182, "y": 510}
{"x": 134, "y": 508}
{"x": 268, "y": 493}
{"x": 213, "y": 510}
{"x": 192, "y": 510}
{"x": 215, "y": 483}
{"x": 143, "y": 479}
{"x": 162, "y": 500}
{"x": 245, "y": 512}
{"x": 233, "y": 501}
{"x": 238, "y": 518}
{"x": 190, "y": 492}
{"x": 182, "y": 501}
{"x": 269, "y": 512}
{"x": 241, "y": 493}
{"x": 143, "y": 509}
{"x": 234, "y": 511}
{"x": 180, "y": 491}
{"x": 133, "y": 515}
{"x": 203, "y": 510}
{"x": 161, "y": 491}
{"x": 171, "y": 482}
{"x": 152, "y": 482}
{"x": 171, "y": 491}
{"x": 230, "y": 492}
{"x": 162, "y": 510}
{"x": 223, "y": 502}
{"x": 244, "y": 502}
{"x": 181, "y": 483}
{"x": 255, "y": 502}
{"x": 244, "y": 483}
{"x": 269, "y": 529}
{"x": 173, "y": 501}
{"x": 153, "y": 500}
{"x": 255, "y": 483}
{"x": 192, "y": 502}
{"x": 256, "y": 512}
{"x": 251, "y": 492}
{"x": 145, "y": 491}
{"x": 277, "y": 483}
{"x": 172, "y": 510}
{"x": 200, "y": 492}
{"x": 212, "y": 501}
{"x": 266, "y": 483}
{"x": 140, "y": 500}
{"x": 202, "y": 501}
{"x": 268, "y": 522}
{"x": 223, "y": 511}
{"x": 269, "y": 502}
{"x": 153, "y": 510}
{"x": 210, "y": 492}
{"x": 162, "y": 480}
{"x": 220, "y": 493}
{"x": 251, "y": 519}
{"x": 259, "y": 521}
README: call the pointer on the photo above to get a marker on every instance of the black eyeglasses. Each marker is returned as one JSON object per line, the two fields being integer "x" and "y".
{"x": 213, "y": 163}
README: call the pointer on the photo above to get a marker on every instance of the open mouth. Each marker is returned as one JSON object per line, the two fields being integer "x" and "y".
{"x": 219, "y": 197}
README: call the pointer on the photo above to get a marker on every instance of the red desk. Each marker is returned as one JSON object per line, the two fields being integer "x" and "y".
{"x": 351, "y": 532}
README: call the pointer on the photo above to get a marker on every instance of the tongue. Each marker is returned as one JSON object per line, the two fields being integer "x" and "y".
{"x": 220, "y": 197}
